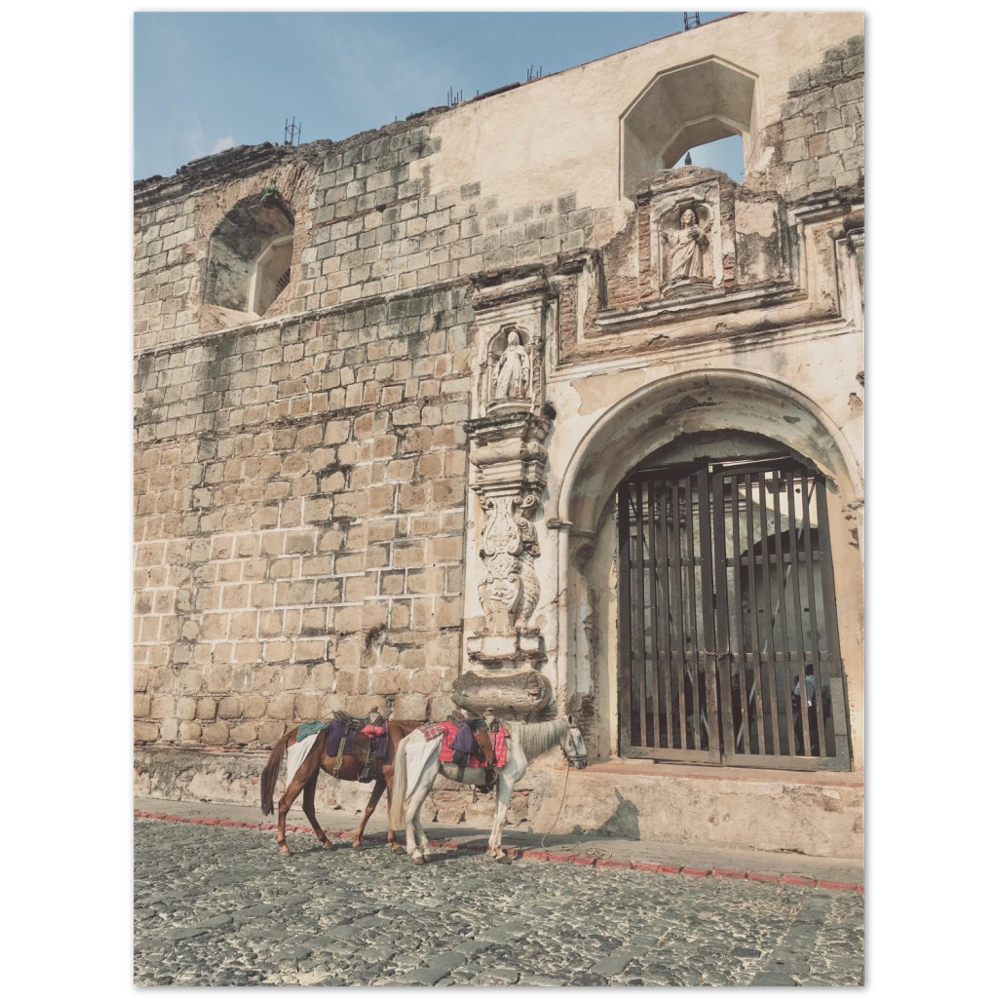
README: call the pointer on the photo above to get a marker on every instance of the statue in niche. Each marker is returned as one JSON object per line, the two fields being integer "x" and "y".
{"x": 684, "y": 251}
{"x": 510, "y": 380}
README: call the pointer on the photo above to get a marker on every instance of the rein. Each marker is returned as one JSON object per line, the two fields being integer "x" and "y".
{"x": 571, "y": 758}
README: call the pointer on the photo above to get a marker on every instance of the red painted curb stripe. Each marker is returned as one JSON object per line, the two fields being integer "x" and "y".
{"x": 798, "y": 880}
{"x": 534, "y": 854}
{"x": 728, "y": 873}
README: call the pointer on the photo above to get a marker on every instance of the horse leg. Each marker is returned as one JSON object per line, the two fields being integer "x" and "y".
{"x": 369, "y": 809}
{"x": 396, "y": 846}
{"x": 291, "y": 794}
{"x": 309, "y": 808}
{"x": 505, "y": 788}
{"x": 417, "y": 844}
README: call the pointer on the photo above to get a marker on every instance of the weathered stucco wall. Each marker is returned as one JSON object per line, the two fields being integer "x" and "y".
{"x": 321, "y": 490}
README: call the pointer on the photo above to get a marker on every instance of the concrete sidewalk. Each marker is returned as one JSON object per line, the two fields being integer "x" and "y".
{"x": 658, "y": 856}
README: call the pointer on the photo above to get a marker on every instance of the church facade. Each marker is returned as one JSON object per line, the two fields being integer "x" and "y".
{"x": 495, "y": 408}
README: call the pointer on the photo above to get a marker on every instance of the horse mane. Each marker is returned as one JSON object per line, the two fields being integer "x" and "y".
{"x": 537, "y": 737}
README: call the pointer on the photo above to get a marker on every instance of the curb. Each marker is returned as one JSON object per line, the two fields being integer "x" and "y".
{"x": 536, "y": 854}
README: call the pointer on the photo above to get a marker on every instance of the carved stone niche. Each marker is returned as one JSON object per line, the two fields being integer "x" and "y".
{"x": 511, "y": 312}
{"x": 684, "y": 242}
{"x": 690, "y": 233}
{"x": 512, "y": 363}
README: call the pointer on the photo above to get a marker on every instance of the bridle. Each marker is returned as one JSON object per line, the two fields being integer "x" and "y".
{"x": 570, "y": 754}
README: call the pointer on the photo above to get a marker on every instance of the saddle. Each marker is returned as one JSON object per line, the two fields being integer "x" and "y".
{"x": 355, "y": 736}
{"x": 473, "y": 741}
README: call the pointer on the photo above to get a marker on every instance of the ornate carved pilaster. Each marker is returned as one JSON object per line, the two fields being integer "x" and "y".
{"x": 508, "y": 457}
{"x": 503, "y": 644}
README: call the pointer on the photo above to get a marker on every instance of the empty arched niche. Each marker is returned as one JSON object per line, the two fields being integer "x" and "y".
{"x": 250, "y": 255}
{"x": 681, "y": 109}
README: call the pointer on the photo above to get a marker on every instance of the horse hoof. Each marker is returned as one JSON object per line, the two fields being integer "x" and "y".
{"x": 357, "y": 845}
{"x": 398, "y": 849}
{"x": 505, "y": 859}
{"x": 283, "y": 850}
{"x": 419, "y": 859}
{"x": 327, "y": 845}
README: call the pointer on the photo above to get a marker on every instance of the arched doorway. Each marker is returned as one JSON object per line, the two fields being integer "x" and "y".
{"x": 713, "y": 436}
{"x": 728, "y": 641}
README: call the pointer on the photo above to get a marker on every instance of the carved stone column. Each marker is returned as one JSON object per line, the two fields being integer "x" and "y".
{"x": 504, "y": 648}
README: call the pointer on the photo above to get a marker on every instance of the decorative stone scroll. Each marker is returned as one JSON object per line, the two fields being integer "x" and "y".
{"x": 510, "y": 543}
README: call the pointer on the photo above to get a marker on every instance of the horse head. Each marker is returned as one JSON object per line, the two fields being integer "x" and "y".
{"x": 573, "y": 746}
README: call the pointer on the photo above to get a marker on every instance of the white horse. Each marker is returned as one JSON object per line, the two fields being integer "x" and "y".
{"x": 417, "y": 765}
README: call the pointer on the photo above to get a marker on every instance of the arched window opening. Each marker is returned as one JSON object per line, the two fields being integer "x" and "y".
{"x": 250, "y": 256}
{"x": 721, "y": 154}
{"x": 681, "y": 110}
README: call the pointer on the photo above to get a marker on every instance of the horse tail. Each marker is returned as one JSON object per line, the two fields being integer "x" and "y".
{"x": 397, "y": 812}
{"x": 269, "y": 776}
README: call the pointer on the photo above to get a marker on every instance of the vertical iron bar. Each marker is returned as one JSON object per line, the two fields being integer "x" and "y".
{"x": 624, "y": 616}
{"x": 653, "y": 613}
{"x": 800, "y": 646}
{"x": 720, "y": 591}
{"x": 681, "y": 652}
{"x": 640, "y": 604}
{"x": 822, "y": 709}
{"x": 668, "y": 638}
{"x": 743, "y": 736}
{"x": 708, "y": 645}
{"x": 762, "y": 719}
{"x": 765, "y": 561}
{"x": 782, "y": 578}
{"x": 691, "y": 658}
{"x": 840, "y": 730}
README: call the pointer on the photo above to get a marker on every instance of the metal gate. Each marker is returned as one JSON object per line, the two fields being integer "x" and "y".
{"x": 728, "y": 641}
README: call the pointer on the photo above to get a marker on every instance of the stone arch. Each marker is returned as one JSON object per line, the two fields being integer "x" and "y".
{"x": 663, "y": 411}
{"x": 705, "y": 407}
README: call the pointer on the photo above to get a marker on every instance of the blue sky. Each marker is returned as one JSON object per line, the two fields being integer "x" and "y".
{"x": 207, "y": 81}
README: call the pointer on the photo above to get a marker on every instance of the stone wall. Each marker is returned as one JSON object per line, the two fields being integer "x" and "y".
{"x": 300, "y": 504}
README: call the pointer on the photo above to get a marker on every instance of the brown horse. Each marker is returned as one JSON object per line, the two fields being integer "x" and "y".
{"x": 305, "y": 780}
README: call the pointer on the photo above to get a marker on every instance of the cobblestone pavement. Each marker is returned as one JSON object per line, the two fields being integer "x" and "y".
{"x": 218, "y": 906}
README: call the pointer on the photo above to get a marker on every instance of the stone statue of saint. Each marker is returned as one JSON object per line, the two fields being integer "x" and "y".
{"x": 686, "y": 247}
{"x": 511, "y": 378}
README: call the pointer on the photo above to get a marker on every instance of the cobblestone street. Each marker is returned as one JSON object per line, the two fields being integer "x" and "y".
{"x": 218, "y": 906}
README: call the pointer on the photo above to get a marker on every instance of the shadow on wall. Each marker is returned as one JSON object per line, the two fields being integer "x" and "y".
{"x": 622, "y": 824}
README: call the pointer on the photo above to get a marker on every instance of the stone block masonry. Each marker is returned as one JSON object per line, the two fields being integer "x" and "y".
{"x": 300, "y": 507}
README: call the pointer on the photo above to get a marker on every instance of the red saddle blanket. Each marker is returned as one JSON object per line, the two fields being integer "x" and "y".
{"x": 450, "y": 731}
